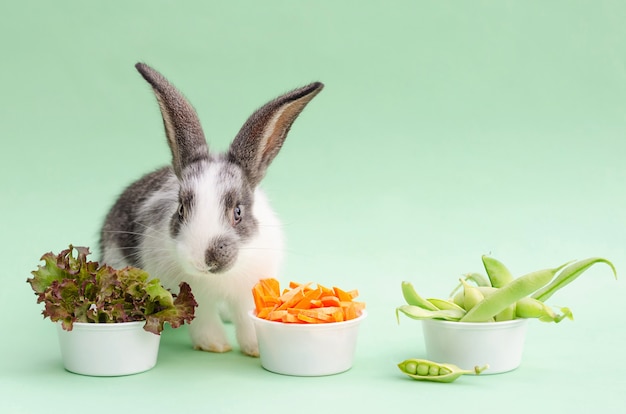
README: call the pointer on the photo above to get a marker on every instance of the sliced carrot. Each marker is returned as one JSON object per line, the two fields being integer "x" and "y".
{"x": 304, "y": 303}
{"x": 338, "y": 315}
{"x": 291, "y": 297}
{"x": 291, "y": 301}
{"x": 359, "y": 306}
{"x": 264, "y": 312}
{"x": 308, "y": 319}
{"x": 276, "y": 315}
{"x": 270, "y": 300}
{"x": 331, "y": 309}
{"x": 342, "y": 294}
{"x": 288, "y": 318}
{"x": 315, "y": 313}
{"x": 327, "y": 291}
{"x": 271, "y": 287}
{"x": 331, "y": 301}
{"x": 349, "y": 311}
{"x": 257, "y": 293}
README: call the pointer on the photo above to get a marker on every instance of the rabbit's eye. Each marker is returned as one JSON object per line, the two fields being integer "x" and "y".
{"x": 237, "y": 214}
{"x": 181, "y": 211}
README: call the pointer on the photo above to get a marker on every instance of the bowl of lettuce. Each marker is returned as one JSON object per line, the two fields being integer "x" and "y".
{"x": 108, "y": 320}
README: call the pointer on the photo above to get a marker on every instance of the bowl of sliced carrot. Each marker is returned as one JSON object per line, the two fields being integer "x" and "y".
{"x": 306, "y": 329}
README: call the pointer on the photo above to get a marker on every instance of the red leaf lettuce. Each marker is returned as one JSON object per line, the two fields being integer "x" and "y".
{"x": 76, "y": 290}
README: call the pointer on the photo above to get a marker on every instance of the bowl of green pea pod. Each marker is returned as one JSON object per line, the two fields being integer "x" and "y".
{"x": 485, "y": 318}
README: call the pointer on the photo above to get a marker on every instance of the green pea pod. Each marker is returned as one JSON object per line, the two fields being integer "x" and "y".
{"x": 507, "y": 314}
{"x": 417, "y": 312}
{"x": 413, "y": 298}
{"x": 532, "y": 308}
{"x": 477, "y": 278}
{"x": 458, "y": 299}
{"x": 425, "y": 370}
{"x": 568, "y": 275}
{"x": 498, "y": 273}
{"x": 509, "y": 294}
{"x": 486, "y": 290}
{"x": 565, "y": 313}
{"x": 529, "y": 307}
{"x": 442, "y": 304}
{"x": 471, "y": 295}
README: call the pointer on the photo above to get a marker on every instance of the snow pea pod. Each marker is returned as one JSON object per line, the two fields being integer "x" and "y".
{"x": 568, "y": 275}
{"x": 445, "y": 304}
{"x": 529, "y": 307}
{"x": 509, "y": 294}
{"x": 507, "y": 314}
{"x": 413, "y": 298}
{"x": 471, "y": 295}
{"x": 417, "y": 312}
{"x": 498, "y": 273}
{"x": 458, "y": 299}
{"x": 425, "y": 370}
{"x": 477, "y": 278}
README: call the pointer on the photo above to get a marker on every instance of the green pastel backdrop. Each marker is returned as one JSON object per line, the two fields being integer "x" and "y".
{"x": 446, "y": 130}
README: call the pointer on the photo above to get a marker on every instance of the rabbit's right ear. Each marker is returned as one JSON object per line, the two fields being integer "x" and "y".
{"x": 182, "y": 126}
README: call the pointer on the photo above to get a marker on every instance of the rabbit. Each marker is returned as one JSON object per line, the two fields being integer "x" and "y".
{"x": 204, "y": 220}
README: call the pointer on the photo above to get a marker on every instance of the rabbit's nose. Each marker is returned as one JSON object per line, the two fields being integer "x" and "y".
{"x": 221, "y": 254}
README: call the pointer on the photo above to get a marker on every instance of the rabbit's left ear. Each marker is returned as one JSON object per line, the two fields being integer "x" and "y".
{"x": 263, "y": 134}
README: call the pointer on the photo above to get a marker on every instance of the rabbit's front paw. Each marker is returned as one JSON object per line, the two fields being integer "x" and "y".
{"x": 246, "y": 337}
{"x": 213, "y": 346}
{"x": 250, "y": 349}
{"x": 209, "y": 337}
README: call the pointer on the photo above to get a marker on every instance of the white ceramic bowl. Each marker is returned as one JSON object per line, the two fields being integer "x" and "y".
{"x": 467, "y": 344}
{"x": 307, "y": 349}
{"x": 108, "y": 349}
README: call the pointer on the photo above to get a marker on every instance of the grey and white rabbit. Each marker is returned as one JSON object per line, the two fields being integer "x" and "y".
{"x": 204, "y": 220}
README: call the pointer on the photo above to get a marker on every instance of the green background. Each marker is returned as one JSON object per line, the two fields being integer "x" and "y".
{"x": 446, "y": 130}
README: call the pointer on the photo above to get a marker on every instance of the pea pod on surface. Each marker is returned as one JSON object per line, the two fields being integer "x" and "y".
{"x": 425, "y": 370}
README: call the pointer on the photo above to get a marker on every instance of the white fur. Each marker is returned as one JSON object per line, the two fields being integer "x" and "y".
{"x": 173, "y": 261}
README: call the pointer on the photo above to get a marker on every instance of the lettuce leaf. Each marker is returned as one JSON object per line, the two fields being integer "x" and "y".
{"x": 74, "y": 289}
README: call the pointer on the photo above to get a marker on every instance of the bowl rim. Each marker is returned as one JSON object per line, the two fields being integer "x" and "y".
{"x": 105, "y": 326}
{"x": 478, "y": 325}
{"x": 319, "y": 326}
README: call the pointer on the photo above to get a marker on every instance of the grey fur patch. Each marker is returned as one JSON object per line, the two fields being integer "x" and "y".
{"x": 125, "y": 224}
{"x": 239, "y": 192}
